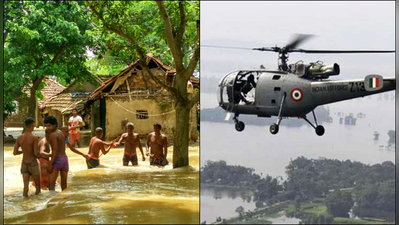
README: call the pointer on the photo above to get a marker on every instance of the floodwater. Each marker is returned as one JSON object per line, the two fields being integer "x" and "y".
{"x": 269, "y": 154}
{"x": 109, "y": 194}
{"x": 226, "y": 201}
{"x": 256, "y": 147}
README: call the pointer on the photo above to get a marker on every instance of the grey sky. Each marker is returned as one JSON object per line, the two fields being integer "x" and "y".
{"x": 336, "y": 25}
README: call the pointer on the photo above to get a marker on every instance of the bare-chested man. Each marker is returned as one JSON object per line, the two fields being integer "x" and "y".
{"x": 96, "y": 144}
{"x": 157, "y": 146}
{"x": 30, "y": 152}
{"x": 132, "y": 140}
{"x": 59, "y": 159}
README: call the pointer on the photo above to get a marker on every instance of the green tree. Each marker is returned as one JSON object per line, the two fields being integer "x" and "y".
{"x": 375, "y": 197}
{"x": 169, "y": 29}
{"x": 339, "y": 203}
{"x": 44, "y": 38}
{"x": 12, "y": 11}
{"x": 266, "y": 189}
{"x": 240, "y": 210}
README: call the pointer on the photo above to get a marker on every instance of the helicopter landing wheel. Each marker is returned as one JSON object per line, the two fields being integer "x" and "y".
{"x": 320, "y": 130}
{"x": 274, "y": 128}
{"x": 240, "y": 126}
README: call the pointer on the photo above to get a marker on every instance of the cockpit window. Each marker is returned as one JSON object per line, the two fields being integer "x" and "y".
{"x": 226, "y": 88}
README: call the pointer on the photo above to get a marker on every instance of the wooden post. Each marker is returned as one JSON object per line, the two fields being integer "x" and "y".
{"x": 128, "y": 89}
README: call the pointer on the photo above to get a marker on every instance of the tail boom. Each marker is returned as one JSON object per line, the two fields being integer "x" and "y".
{"x": 325, "y": 92}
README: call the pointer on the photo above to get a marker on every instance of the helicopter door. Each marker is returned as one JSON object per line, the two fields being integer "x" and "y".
{"x": 270, "y": 90}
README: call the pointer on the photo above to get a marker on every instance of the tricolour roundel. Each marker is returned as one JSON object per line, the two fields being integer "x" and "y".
{"x": 296, "y": 94}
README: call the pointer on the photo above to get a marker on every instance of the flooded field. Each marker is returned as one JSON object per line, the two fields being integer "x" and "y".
{"x": 111, "y": 193}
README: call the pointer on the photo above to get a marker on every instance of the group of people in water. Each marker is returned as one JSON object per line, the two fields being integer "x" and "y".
{"x": 43, "y": 160}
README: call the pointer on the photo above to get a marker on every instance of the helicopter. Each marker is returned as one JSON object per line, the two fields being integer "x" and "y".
{"x": 293, "y": 90}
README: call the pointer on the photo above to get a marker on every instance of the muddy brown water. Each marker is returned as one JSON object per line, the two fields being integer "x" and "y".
{"x": 109, "y": 194}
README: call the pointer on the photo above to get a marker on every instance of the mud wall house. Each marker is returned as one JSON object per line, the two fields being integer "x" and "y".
{"x": 17, "y": 119}
{"x": 126, "y": 97}
{"x": 75, "y": 95}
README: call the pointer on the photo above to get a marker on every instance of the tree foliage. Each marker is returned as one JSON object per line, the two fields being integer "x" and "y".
{"x": 240, "y": 210}
{"x": 267, "y": 189}
{"x": 342, "y": 183}
{"x": 140, "y": 21}
{"x": 44, "y": 38}
{"x": 309, "y": 178}
{"x": 339, "y": 203}
{"x": 379, "y": 196}
{"x": 232, "y": 175}
{"x": 167, "y": 29}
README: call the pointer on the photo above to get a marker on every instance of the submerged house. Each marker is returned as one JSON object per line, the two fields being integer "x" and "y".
{"x": 17, "y": 119}
{"x": 132, "y": 96}
{"x": 75, "y": 95}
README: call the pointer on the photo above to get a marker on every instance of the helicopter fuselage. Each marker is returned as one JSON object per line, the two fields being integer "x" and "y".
{"x": 294, "y": 96}
{"x": 295, "y": 89}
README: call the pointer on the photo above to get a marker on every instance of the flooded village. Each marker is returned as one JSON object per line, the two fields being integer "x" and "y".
{"x": 111, "y": 192}
{"x": 102, "y": 110}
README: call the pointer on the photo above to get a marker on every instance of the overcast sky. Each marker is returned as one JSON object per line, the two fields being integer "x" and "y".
{"x": 336, "y": 25}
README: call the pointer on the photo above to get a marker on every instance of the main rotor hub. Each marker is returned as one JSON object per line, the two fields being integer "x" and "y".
{"x": 283, "y": 59}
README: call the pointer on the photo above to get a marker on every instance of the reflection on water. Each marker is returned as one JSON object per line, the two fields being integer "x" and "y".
{"x": 108, "y": 194}
{"x": 223, "y": 202}
{"x": 282, "y": 219}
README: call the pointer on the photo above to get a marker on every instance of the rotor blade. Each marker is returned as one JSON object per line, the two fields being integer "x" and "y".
{"x": 299, "y": 39}
{"x": 214, "y": 46}
{"x": 273, "y": 49}
{"x": 340, "y": 51}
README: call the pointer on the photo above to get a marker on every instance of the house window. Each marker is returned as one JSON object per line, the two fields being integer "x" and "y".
{"x": 277, "y": 88}
{"x": 141, "y": 114}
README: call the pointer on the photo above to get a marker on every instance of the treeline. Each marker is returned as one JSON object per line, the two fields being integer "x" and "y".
{"x": 218, "y": 115}
{"x": 219, "y": 173}
{"x": 343, "y": 184}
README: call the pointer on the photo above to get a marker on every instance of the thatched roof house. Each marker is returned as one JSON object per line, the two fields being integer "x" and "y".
{"x": 16, "y": 119}
{"x": 75, "y": 95}
{"x": 131, "y": 95}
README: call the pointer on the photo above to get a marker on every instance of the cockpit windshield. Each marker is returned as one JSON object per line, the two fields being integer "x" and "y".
{"x": 238, "y": 88}
{"x": 226, "y": 88}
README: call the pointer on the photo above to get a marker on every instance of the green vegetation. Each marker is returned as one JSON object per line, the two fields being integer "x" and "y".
{"x": 40, "y": 39}
{"x": 317, "y": 190}
{"x": 217, "y": 115}
{"x": 54, "y": 38}
{"x": 157, "y": 27}
{"x": 339, "y": 203}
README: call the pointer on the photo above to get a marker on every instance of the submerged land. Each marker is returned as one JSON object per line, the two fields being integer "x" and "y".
{"x": 321, "y": 191}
